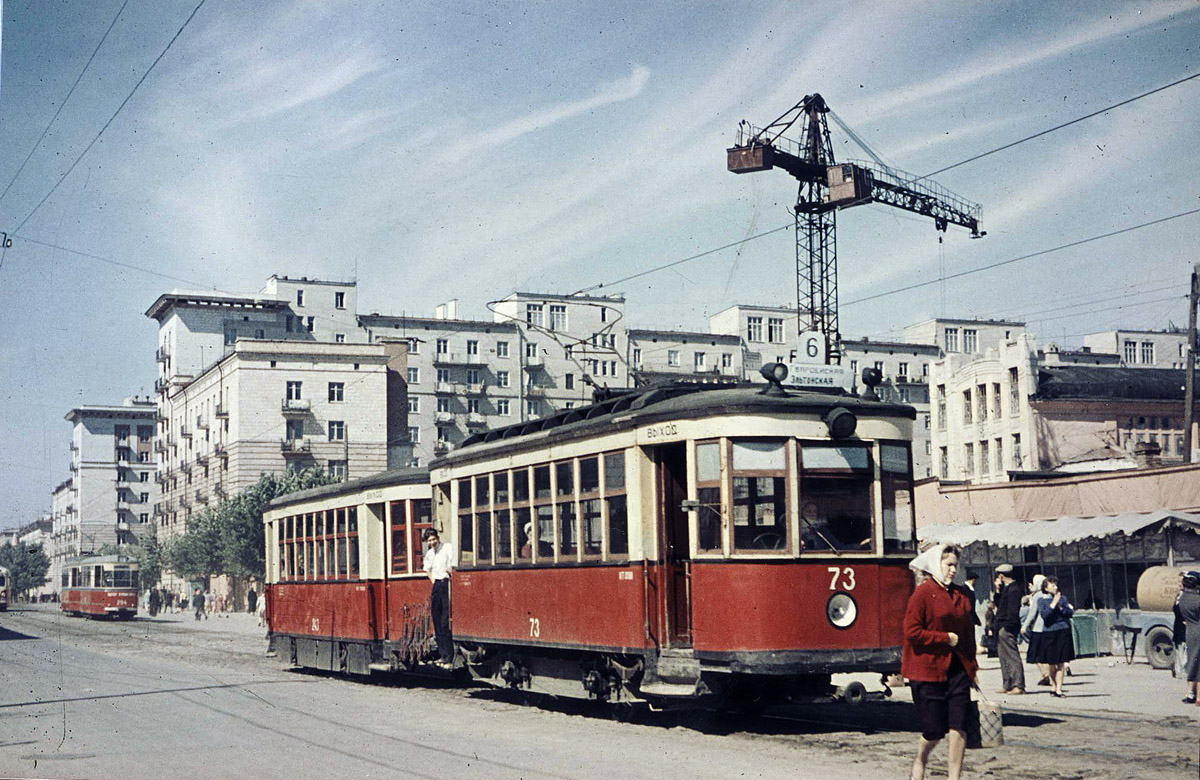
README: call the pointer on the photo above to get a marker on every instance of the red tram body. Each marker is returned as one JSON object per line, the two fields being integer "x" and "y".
{"x": 101, "y": 586}
{"x": 5, "y": 587}
{"x": 664, "y": 544}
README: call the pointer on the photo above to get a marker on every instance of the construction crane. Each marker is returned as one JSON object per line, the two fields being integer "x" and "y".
{"x": 827, "y": 186}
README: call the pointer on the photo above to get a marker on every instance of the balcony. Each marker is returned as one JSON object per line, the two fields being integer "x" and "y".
{"x": 441, "y": 448}
{"x": 296, "y": 406}
{"x": 74, "y": 467}
{"x": 535, "y": 391}
{"x": 160, "y": 445}
{"x": 185, "y": 432}
{"x": 445, "y": 388}
{"x": 457, "y": 359}
{"x": 477, "y": 388}
{"x": 221, "y": 411}
{"x": 201, "y": 497}
{"x": 476, "y": 420}
{"x": 534, "y": 361}
{"x": 161, "y": 384}
{"x": 122, "y": 525}
{"x": 202, "y": 459}
{"x": 444, "y": 418}
{"x": 201, "y": 423}
{"x": 295, "y": 446}
{"x": 185, "y": 502}
{"x": 219, "y": 450}
{"x": 185, "y": 467}
{"x": 161, "y": 355}
{"x": 219, "y": 491}
{"x": 74, "y": 447}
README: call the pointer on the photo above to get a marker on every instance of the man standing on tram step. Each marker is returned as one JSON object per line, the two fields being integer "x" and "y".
{"x": 1008, "y": 618}
{"x": 439, "y": 565}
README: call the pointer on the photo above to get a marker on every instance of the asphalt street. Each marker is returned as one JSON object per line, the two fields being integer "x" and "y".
{"x": 169, "y": 698}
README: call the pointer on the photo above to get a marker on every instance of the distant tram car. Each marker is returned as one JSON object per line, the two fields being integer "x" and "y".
{"x": 5, "y": 588}
{"x": 665, "y": 544}
{"x": 100, "y": 586}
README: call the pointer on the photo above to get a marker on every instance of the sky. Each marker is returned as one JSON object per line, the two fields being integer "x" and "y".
{"x": 469, "y": 149}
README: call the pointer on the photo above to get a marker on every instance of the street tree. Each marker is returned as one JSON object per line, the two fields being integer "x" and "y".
{"x": 196, "y": 553}
{"x": 27, "y": 565}
{"x": 243, "y": 538}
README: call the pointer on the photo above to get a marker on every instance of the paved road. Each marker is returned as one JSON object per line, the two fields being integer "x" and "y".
{"x": 172, "y": 698}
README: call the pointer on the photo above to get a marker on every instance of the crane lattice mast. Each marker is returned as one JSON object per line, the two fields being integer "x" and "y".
{"x": 825, "y": 187}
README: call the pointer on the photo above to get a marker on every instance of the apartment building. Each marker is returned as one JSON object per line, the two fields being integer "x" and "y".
{"x": 270, "y": 406}
{"x": 967, "y": 337}
{"x": 110, "y": 495}
{"x": 1142, "y": 348}
{"x": 656, "y": 355}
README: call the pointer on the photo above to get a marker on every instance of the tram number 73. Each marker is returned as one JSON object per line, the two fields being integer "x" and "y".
{"x": 535, "y": 627}
{"x": 846, "y": 575}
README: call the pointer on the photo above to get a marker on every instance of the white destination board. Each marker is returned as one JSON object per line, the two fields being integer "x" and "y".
{"x": 810, "y": 347}
{"x": 811, "y": 375}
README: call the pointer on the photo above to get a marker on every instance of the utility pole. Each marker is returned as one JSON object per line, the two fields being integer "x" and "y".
{"x": 1189, "y": 396}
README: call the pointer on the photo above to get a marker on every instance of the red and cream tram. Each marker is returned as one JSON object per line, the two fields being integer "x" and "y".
{"x": 665, "y": 543}
{"x": 101, "y": 586}
{"x": 5, "y": 588}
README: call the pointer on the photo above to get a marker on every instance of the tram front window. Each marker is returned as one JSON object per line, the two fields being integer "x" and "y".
{"x": 123, "y": 578}
{"x": 835, "y": 498}
{"x": 759, "y": 495}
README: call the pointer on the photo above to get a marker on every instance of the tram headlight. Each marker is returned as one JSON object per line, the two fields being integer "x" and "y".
{"x": 842, "y": 610}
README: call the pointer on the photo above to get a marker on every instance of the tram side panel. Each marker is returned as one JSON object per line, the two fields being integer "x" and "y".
{"x": 326, "y": 625}
{"x": 585, "y": 607}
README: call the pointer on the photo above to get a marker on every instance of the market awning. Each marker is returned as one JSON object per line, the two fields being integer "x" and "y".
{"x": 1017, "y": 533}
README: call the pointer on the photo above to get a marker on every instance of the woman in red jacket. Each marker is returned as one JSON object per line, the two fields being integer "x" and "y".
{"x": 939, "y": 656}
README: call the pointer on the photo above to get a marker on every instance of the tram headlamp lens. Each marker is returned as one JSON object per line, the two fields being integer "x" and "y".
{"x": 841, "y": 610}
{"x": 774, "y": 372}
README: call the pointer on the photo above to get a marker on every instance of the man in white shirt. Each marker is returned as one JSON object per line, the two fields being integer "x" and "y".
{"x": 439, "y": 565}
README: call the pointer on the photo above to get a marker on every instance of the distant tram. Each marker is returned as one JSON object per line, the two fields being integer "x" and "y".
{"x": 100, "y": 586}
{"x": 666, "y": 544}
{"x": 5, "y": 588}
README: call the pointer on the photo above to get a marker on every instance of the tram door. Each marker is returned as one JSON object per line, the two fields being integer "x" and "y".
{"x": 674, "y": 586}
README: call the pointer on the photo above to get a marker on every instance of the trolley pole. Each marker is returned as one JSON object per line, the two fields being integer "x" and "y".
{"x": 1189, "y": 396}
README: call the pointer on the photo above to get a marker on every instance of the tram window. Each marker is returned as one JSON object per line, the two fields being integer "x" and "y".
{"x": 399, "y": 511}
{"x": 896, "y": 485}
{"x": 524, "y": 530}
{"x": 352, "y": 543}
{"x": 564, "y": 478}
{"x": 544, "y": 534}
{"x": 593, "y": 519}
{"x": 614, "y": 472}
{"x": 484, "y": 548}
{"x": 481, "y": 491}
{"x": 708, "y": 493}
{"x": 589, "y": 475}
{"x": 835, "y": 498}
{"x": 341, "y": 521}
{"x": 122, "y": 578}
{"x": 464, "y": 494}
{"x": 618, "y": 526}
{"x": 97, "y": 576}
{"x": 422, "y": 518}
{"x": 343, "y": 557}
{"x": 568, "y": 545}
{"x": 520, "y": 485}
{"x": 500, "y": 487}
{"x": 759, "y": 495}
{"x": 466, "y": 538}
{"x": 541, "y": 482}
{"x": 503, "y": 535}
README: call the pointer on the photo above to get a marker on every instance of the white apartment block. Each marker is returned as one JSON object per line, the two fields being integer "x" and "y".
{"x": 968, "y": 337}
{"x": 1142, "y": 348}
{"x": 110, "y": 495}
{"x": 270, "y": 406}
{"x": 663, "y": 354}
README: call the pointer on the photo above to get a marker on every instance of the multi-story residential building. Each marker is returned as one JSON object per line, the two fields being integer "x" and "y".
{"x": 656, "y": 355}
{"x": 1142, "y": 348}
{"x": 111, "y": 493}
{"x": 768, "y": 334}
{"x": 967, "y": 337}
{"x": 461, "y": 376}
{"x": 269, "y": 406}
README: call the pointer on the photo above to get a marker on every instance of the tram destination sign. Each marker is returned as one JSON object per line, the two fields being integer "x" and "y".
{"x": 817, "y": 375}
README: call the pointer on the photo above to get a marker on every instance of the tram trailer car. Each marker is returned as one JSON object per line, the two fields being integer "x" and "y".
{"x": 665, "y": 544}
{"x": 5, "y": 587}
{"x": 100, "y": 586}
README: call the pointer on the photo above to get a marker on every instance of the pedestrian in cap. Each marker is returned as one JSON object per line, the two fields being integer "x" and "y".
{"x": 1008, "y": 619}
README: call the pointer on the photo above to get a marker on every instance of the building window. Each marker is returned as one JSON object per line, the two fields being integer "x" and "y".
{"x": 533, "y": 315}
{"x": 337, "y": 470}
{"x": 558, "y": 317}
{"x": 414, "y": 404}
{"x": 944, "y": 468}
{"x": 1000, "y": 456}
{"x": 1016, "y": 448}
{"x": 339, "y": 338}
{"x": 502, "y": 379}
{"x": 775, "y": 330}
{"x": 443, "y": 376}
{"x": 531, "y": 350}
{"x": 472, "y": 406}
{"x": 472, "y": 376}
{"x": 310, "y": 322}
{"x": 472, "y": 348}
{"x": 726, "y": 360}
{"x": 1014, "y": 393}
{"x": 981, "y": 401}
{"x": 295, "y": 430}
{"x": 997, "y": 404}
{"x": 413, "y": 375}
{"x": 337, "y": 391}
{"x": 985, "y": 462}
{"x": 924, "y": 370}
{"x": 1148, "y": 353}
{"x": 902, "y": 370}
{"x": 969, "y": 459}
{"x": 970, "y": 340}
{"x": 853, "y": 368}
{"x": 502, "y": 349}
{"x": 569, "y": 381}
{"x": 672, "y": 357}
{"x": 502, "y": 406}
{"x": 967, "y": 409}
{"x": 531, "y": 408}
{"x": 337, "y": 430}
{"x": 144, "y": 476}
{"x": 754, "y": 328}
{"x": 143, "y": 518}
{"x": 299, "y": 297}
{"x": 339, "y": 300}
{"x": 879, "y": 367}
{"x": 293, "y": 391}
{"x": 1131, "y": 352}
{"x": 637, "y": 357}
{"x": 443, "y": 405}
{"x": 414, "y": 347}
{"x": 699, "y": 362}
{"x": 290, "y": 324}
{"x": 443, "y": 346}
{"x": 952, "y": 339}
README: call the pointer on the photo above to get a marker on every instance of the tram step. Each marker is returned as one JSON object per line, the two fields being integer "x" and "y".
{"x": 668, "y": 689}
{"x": 379, "y": 667}
{"x": 677, "y": 668}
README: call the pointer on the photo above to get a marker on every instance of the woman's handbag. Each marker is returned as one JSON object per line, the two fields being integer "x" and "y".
{"x": 985, "y": 723}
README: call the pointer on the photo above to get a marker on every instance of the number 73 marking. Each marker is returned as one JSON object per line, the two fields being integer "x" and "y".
{"x": 846, "y": 575}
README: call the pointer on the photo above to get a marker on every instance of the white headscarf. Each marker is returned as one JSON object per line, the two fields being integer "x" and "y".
{"x": 930, "y": 562}
{"x": 1037, "y": 583}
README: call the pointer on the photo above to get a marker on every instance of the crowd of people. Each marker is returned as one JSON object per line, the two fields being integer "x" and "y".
{"x": 202, "y": 603}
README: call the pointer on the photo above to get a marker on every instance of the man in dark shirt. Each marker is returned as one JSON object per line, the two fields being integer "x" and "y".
{"x": 1008, "y": 619}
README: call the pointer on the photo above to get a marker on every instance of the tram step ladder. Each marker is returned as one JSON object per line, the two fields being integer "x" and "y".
{"x": 677, "y": 667}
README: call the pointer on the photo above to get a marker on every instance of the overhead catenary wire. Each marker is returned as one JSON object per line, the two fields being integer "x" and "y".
{"x": 1020, "y": 258}
{"x": 110, "y": 261}
{"x": 112, "y": 118}
{"x": 64, "y": 102}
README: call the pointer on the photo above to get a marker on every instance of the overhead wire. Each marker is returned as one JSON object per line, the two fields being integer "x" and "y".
{"x": 64, "y": 102}
{"x": 112, "y": 118}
